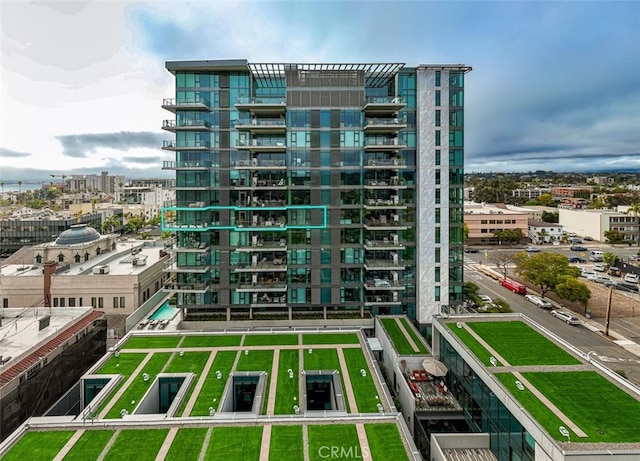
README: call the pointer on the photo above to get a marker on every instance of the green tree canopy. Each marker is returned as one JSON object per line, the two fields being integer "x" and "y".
{"x": 609, "y": 258}
{"x": 572, "y": 289}
{"x": 550, "y": 216}
{"x": 544, "y": 269}
{"x": 614, "y": 236}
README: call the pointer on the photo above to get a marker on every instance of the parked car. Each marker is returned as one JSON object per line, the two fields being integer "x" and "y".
{"x": 606, "y": 281}
{"x": 575, "y": 259}
{"x": 631, "y": 278}
{"x": 566, "y": 317}
{"x": 586, "y": 238}
{"x": 470, "y": 250}
{"x": 574, "y": 240}
{"x": 485, "y": 298}
{"x": 538, "y": 301}
{"x": 532, "y": 250}
{"x": 598, "y": 267}
{"x": 578, "y": 248}
{"x": 614, "y": 271}
{"x": 626, "y": 286}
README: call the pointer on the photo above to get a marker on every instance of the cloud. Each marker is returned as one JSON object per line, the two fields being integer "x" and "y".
{"x": 80, "y": 145}
{"x": 145, "y": 160}
{"x": 8, "y": 153}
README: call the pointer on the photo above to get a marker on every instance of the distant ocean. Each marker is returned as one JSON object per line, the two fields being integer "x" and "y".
{"x": 15, "y": 187}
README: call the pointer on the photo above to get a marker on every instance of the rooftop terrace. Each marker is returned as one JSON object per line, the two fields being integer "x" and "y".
{"x": 557, "y": 385}
{"x": 246, "y": 396}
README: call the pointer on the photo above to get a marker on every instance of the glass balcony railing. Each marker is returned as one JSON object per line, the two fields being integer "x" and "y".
{"x": 385, "y": 122}
{"x": 385, "y": 100}
{"x": 386, "y": 162}
{"x": 172, "y": 165}
{"x": 260, "y": 123}
{"x": 281, "y": 142}
{"x": 183, "y": 144}
{"x": 264, "y": 100}
{"x": 172, "y": 125}
{"x": 186, "y": 103}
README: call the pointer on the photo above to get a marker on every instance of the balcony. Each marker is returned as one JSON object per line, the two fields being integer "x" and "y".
{"x": 382, "y": 145}
{"x": 383, "y": 264}
{"x": 172, "y": 266}
{"x": 256, "y": 163}
{"x": 384, "y": 244}
{"x": 394, "y": 182}
{"x": 377, "y": 284}
{"x": 186, "y": 125}
{"x": 273, "y": 265}
{"x": 381, "y": 300}
{"x": 173, "y": 104}
{"x": 395, "y": 203}
{"x": 185, "y": 145}
{"x": 384, "y": 222}
{"x": 257, "y": 125}
{"x": 269, "y": 287}
{"x": 262, "y": 245}
{"x": 174, "y": 286}
{"x": 392, "y": 163}
{"x": 384, "y": 104}
{"x": 255, "y": 202}
{"x": 256, "y": 183}
{"x": 262, "y": 105}
{"x": 186, "y": 165}
{"x": 193, "y": 226}
{"x": 262, "y": 145}
{"x": 384, "y": 125}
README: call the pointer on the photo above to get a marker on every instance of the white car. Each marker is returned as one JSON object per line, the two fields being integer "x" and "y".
{"x": 598, "y": 267}
{"x": 532, "y": 250}
{"x": 566, "y": 317}
{"x": 589, "y": 275}
{"x": 485, "y": 298}
{"x": 538, "y": 301}
{"x": 632, "y": 278}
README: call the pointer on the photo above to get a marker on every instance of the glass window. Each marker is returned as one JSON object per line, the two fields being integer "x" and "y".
{"x": 437, "y": 141}
{"x": 325, "y": 295}
{"x": 325, "y": 257}
{"x": 438, "y": 116}
{"x": 438, "y": 77}
{"x": 325, "y": 275}
{"x": 437, "y": 98}
{"x": 438, "y": 153}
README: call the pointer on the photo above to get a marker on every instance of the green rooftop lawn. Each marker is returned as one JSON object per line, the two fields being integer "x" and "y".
{"x": 325, "y": 359}
{"x": 187, "y": 444}
{"x": 539, "y": 411}
{"x": 402, "y": 345}
{"x": 474, "y": 346}
{"x": 593, "y": 403}
{"x": 213, "y": 387}
{"x": 139, "y": 386}
{"x": 235, "y": 444}
{"x": 258, "y": 361}
{"x": 287, "y": 388}
{"x": 89, "y": 445}
{"x": 125, "y": 364}
{"x": 415, "y": 336}
{"x": 190, "y": 362}
{"x": 344, "y": 437}
{"x": 330, "y": 338}
{"x": 211, "y": 341}
{"x": 141, "y": 445}
{"x": 363, "y": 387}
{"x": 385, "y": 442}
{"x": 152, "y": 342}
{"x": 519, "y": 344}
{"x": 270, "y": 340}
{"x": 286, "y": 443}
{"x": 38, "y": 446}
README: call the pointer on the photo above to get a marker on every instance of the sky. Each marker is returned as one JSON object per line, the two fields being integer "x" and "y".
{"x": 555, "y": 85}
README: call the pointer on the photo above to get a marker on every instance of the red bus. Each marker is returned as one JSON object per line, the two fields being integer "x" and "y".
{"x": 514, "y": 286}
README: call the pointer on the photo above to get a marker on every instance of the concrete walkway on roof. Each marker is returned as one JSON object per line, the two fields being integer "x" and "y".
{"x": 271, "y": 401}
{"x": 365, "y": 451}
{"x": 69, "y": 445}
{"x": 344, "y": 371}
{"x": 555, "y": 410}
{"x": 201, "y": 380}
{"x": 407, "y": 336}
{"x": 166, "y": 445}
{"x": 266, "y": 443}
{"x": 125, "y": 386}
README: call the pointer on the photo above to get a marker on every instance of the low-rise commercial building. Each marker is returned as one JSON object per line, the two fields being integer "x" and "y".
{"x": 483, "y": 220}
{"x": 595, "y": 223}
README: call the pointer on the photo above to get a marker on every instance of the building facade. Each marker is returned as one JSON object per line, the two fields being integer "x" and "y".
{"x": 595, "y": 223}
{"x": 485, "y": 221}
{"x": 316, "y": 190}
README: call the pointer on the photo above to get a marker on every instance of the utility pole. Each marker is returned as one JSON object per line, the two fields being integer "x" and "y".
{"x": 608, "y": 317}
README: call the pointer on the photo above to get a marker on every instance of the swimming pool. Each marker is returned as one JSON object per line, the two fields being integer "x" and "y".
{"x": 164, "y": 312}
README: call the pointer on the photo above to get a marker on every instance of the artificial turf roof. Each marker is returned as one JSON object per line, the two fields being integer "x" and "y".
{"x": 221, "y": 437}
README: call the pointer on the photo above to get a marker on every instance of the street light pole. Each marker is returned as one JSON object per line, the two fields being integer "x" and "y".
{"x": 608, "y": 317}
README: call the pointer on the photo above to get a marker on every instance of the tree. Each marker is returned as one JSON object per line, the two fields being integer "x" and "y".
{"x": 609, "y": 258}
{"x": 111, "y": 224}
{"x": 550, "y": 216}
{"x": 546, "y": 199}
{"x": 544, "y": 269}
{"x": 542, "y": 234}
{"x": 571, "y": 289}
{"x": 465, "y": 228}
{"x": 614, "y": 236}
{"x": 503, "y": 261}
{"x": 135, "y": 223}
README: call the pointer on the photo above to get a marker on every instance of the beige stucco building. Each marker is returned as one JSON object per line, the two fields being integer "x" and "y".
{"x": 483, "y": 220}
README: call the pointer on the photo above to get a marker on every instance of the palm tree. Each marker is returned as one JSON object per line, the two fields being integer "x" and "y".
{"x": 2, "y": 185}
{"x": 634, "y": 210}
{"x": 19, "y": 187}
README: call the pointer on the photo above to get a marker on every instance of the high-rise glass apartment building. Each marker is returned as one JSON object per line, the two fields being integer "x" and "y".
{"x": 315, "y": 190}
